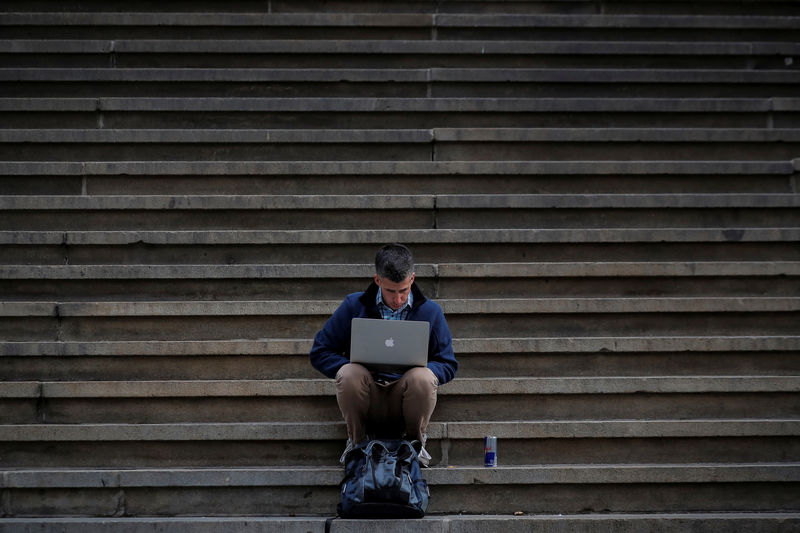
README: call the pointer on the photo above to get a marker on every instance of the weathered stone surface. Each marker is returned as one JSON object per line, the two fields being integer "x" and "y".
{"x": 450, "y": 306}
{"x": 657, "y": 523}
{"x": 622, "y": 201}
{"x": 152, "y": 202}
{"x": 413, "y": 237}
{"x": 284, "y": 477}
{"x": 468, "y": 20}
{"x": 141, "y": 525}
{"x": 304, "y": 168}
{"x": 614, "y": 428}
{"x": 364, "y": 46}
{"x": 164, "y": 432}
{"x": 194, "y": 271}
{"x": 223, "y": 19}
{"x": 520, "y": 429}
{"x": 613, "y": 269}
{"x": 705, "y": 269}
{"x": 477, "y": 345}
{"x": 460, "y": 386}
{"x": 688, "y": 76}
{"x": 614, "y": 243}
{"x": 418, "y": 105}
{"x": 198, "y": 136}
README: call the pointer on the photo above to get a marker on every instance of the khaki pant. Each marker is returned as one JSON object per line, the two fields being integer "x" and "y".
{"x": 385, "y": 409}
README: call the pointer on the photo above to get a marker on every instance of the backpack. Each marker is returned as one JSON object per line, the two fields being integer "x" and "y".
{"x": 383, "y": 479}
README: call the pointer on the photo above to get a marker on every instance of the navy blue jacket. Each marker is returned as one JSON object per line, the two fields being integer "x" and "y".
{"x": 331, "y": 348}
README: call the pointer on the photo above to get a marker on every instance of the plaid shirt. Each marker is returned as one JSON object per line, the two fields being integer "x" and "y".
{"x": 390, "y": 314}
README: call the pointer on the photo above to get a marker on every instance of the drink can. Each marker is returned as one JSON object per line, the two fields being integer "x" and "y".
{"x": 490, "y": 452}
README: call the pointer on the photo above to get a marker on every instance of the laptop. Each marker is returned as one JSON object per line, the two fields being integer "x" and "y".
{"x": 389, "y": 345}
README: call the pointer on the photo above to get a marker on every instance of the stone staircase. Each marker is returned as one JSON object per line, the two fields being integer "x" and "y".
{"x": 603, "y": 196}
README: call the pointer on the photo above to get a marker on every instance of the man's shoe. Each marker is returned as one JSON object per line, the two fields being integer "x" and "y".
{"x": 423, "y": 456}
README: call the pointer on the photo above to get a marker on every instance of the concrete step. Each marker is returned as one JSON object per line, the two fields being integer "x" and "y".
{"x": 403, "y": 105}
{"x": 453, "y": 431}
{"x": 442, "y": 271}
{"x": 649, "y": 243}
{"x": 420, "y": 211}
{"x": 378, "y": 19}
{"x": 232, "y": 365}
{"x": 578, "y": 523}
{"x": 580, "y": 7}
{"x": 284, "y": 282}
{"x": 483, "y": 358}
{"x": 348, "y": 145}
{"x": 459, "y": 387}
{"x": 320, "y": 443}
{"x": 504, "y": 251}
{"x": 401, "y": 168}
{"x": 268, "y": 22}
{"x": 276, "y": 6}
{"x": 320, "y": 211}
{"x": 414, "y": 82}
{"x": 446, "y": 245}
{"x": 431, "y": 177}
{"x": 398, "y": 201}
{"x": 498, "y": 398}
{"x": 373, "y": 113}
{"x": 564, "y": 326}
{"x": 394, "y": 53}
{"x": 447, "y": 280}
{"x": 531, "y": 26}
{"x": 228, "y": 25}
{"x": 462, "y": 144}
{"x": 411, "y": 236}
{"x": 627, "y": 245}
{"x": 283, "y": 346}
{"x": 390, "y": 46}
{"x": 452, "y": 307}
{"x": 648, "y": 8}
{"x": 527, "y": 144}
{"x": 556, "y": 317}
{"x": 441, "y": 135}
{"x": 270, "y": 491}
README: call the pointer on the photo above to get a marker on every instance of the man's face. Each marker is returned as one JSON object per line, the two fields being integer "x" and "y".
{"x": 394, "y": 294}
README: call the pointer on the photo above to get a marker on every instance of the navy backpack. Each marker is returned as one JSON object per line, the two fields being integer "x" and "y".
{"x": 383, "y": 479}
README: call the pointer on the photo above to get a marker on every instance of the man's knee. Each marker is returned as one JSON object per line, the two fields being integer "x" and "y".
{"x": 352, "y": 375}
{"x": 421, "y": 379}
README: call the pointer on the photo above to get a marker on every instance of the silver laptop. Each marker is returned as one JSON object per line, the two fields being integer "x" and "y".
{"x": 389, "y": 345}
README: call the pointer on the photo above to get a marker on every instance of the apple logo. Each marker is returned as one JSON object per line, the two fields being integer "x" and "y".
{"x": 389, "y": 343}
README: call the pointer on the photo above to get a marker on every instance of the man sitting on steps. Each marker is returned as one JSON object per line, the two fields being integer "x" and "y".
{"x": 378, "y": 400}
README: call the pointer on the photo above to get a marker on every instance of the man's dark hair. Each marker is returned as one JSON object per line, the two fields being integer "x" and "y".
{"x": 394, "y": 262}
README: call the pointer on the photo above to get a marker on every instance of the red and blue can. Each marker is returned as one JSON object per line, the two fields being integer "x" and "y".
{"x": 490, "y": 452}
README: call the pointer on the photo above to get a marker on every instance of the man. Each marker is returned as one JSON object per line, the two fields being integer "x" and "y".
{"x": 402, "y": 402}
